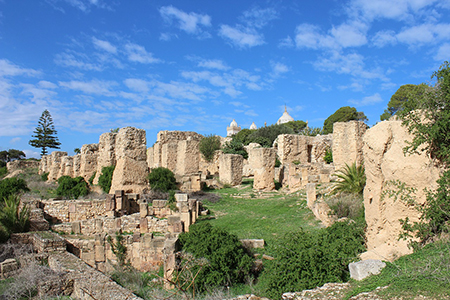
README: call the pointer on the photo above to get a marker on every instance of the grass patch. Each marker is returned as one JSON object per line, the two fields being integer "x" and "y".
{"x": 267, "y": 216}
{"x": 425, "y": 272}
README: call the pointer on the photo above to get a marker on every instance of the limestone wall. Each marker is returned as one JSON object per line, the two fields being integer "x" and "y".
{"x": 302, "y": 174}
{"x": 348, "y": 143}
{"x": 131, "y": 171}
{"x": 88, "y": 161}
{"x": 54, "y": 164}
{"x": 302, "y": 148}
{"x": 74, "y": 210}
{"x": 21, "y": 164}
{"x": 384, "y": 162}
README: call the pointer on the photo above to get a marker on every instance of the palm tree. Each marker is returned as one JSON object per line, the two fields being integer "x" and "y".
{"x": 352, "y": 180}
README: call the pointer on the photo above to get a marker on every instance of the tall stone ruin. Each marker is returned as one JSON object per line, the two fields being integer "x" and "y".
{"x": 348, "y": 143}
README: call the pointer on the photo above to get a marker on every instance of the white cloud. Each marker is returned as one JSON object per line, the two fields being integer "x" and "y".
{"x": 8, "y": 68}
{"x": 83, "y": 5}
{"x": 279, "y": 69}
{"x": 165, "y": 36}
{"x": 383, "y": 38}
{"x": 286, "y": 43}
{"x": 240, "y": 36}
{"x": 76, "y": 60}
{"x": 213, "y": 64}
{"x": 443, "y": 53}
{"x": 137, "y": 53}
{"x": 188, "y": 22}
{"x": 96, "y": 87}
{"x": 369, "y": 100}
{"x": 137, "y": 85}
{"x": 259, "y": 17}
{"x": 104, "y": 45}
{"x": 31, "y": 154}
{"x": 15, "y": 140}
{"x": 424, "y": 34}
{"x": 47, "y": 84}
{"x": 346, "y": 35}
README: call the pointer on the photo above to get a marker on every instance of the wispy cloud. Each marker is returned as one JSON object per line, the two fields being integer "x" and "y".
{"x": 369, "y": 100}
{"x": 83, "y": 5}
{"x": 96, "y": 87}
{"x": 240, "y": 36}
{"x": 278, "y": 69}
{"x": 191, "y": 23}
{"x": 259, "y": 17}
{"x": 213, "y": 64}
{"x": 137, "y": 53}
{"x": 104, "y": 45}
{"x": 8, "y": 68}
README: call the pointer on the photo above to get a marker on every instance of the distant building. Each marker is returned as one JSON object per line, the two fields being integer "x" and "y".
{"x": 253, "y": 126}
{"x": 285, "y": 118}
{"x": 233, "y": 128}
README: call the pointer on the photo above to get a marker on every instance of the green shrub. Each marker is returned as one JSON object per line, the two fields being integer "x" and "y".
{"x": 228, "y": 262}
{"x": 91, "y": 179}
{"x": 118, "y": 247}
{"x": 306, "y": 260}
{"x": 347, "y": 206}
{"x": 162, "y": 179}
{"x": 72, "y": 187}
{"x": 3, "y": 171}
{"x": 235, "y": 147}
{"x": 328, "y": 158}
{"x": 352, "y": 180}
{"x": 44, "y": 176}
{"x": 265, "y": 136}
{"x": 12, "y": 186}
{"x": 104, "y": 181}
{"x": 208, "y": 145}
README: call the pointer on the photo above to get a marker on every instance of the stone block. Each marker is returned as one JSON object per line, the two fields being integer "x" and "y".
{"x": 72, "y": 207}
{"x": 143, "y": 210}
{"x": 231, "y": 169}
{"x": 76, "y": 227}
{"x": 143, "y": 225}
{"x": 348, "y": 143}
{"x": 99, "y": 253}
{"x": 365, "y": 268}
{"x": 186, "y": 219}
{"x": 310, "y": 194}
{"x": 173, "y": 219}
{"x": 262, "y": 161}
{"x": 181, "y": 197}
{"x": 160, "y": 203}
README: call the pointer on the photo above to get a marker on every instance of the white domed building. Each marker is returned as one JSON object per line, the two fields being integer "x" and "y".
{"x": 233, "y": 128}
{"x": 253, "y": 126}
{"x": 285, "y": 118}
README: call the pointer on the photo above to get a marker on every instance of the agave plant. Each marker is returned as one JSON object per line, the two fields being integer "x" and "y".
{"x": 352, "y": 180}
{"x": 12, "y": 218}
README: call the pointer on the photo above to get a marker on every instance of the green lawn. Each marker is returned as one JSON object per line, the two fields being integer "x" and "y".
{"x": 267, "y": 216}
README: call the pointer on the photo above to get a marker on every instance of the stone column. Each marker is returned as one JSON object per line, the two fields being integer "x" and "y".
{"x": 230, "y": 169}
{"x": 263, "y": 162}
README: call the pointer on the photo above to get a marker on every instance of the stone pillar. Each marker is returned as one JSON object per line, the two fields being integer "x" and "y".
{"x": 131, "y": 171}
{"x": 106, "y": 153}
{"x": 169, "y": 155}
{"x": 310, "y": 194}
{"x": 188, "y": 157}
{"x": 67, "y": 163}
{"x": 230, "y": 169}
{"x": 263, "y": 163}
{"x": 348, "y": 143}
{"x": 88, "y": 160}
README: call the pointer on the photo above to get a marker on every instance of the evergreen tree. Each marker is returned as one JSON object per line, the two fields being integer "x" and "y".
{"x": 45, "y": 134}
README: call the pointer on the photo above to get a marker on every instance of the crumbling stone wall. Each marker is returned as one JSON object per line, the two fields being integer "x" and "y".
{"x": 385, "y": 162}
{"x": 66, "y": 166}
{"x": 301, "y": 148}
{"x": 348, "y": 143}
{"x": 302, "y": 174}
{"x": 130, "y": 173}
{"x": 54, "y": 164}
{"x": 21, "y": 164}
{"x": 176, "y": 150}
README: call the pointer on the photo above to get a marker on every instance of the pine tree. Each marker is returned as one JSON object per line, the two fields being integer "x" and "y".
{"x": 45, "y": 134}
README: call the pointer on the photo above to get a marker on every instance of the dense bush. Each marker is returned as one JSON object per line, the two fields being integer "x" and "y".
{"x": 208, "y": 145}
{"x": 228, "y": 262}
{"x": 347, "y": 206}
{"x": 104, "y": 181}
{"x": 44, "y": 176}
{"x": 72, "y": 187}
{"x": 297, "y": 126}
{"x": 3, "y": 171}
{"x": 268, "y": 134}
{"x": 343, "y": 114}
{"x": 12, "y": 186}
{"x": 235, "y": 147}
{"x": 162, "y": 179}
{"x": 305, "y": 260}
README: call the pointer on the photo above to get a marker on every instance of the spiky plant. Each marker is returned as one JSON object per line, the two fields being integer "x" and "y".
{"x": 352, "y": 180}
{"x": 12, "y": 218}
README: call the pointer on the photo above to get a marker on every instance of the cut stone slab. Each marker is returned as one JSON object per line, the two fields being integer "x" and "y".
{"x": 365, "y": 268}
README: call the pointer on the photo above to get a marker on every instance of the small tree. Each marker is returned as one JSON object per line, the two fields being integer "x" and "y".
{"x": 11, "y": 154}
{"x": 45, "y": 134}
{"x": 72, "y": 187}
{"x": 343, "y": 114}
{"x": 77, "y": 151}
{"x": 208, "y": 145}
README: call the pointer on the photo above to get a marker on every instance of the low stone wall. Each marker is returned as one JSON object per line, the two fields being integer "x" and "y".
{"x": 62, "y": 211}
{"x": 88, "y": 283}
{"x": 302, "y": 174}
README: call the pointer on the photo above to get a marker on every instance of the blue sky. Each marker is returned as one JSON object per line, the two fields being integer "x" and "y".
{"x": 197, "y": 65}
